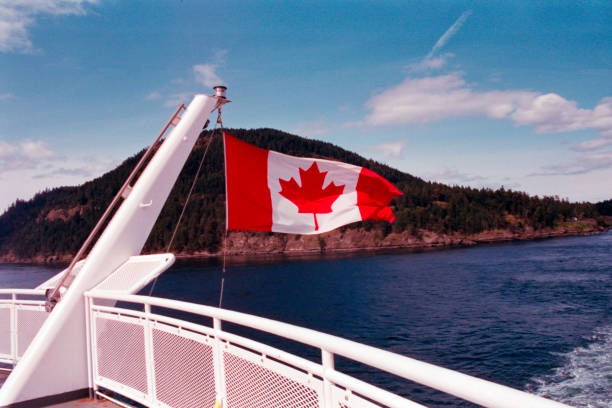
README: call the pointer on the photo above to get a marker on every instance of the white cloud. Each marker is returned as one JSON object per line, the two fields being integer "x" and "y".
{"x": 177, "y": 99}
{"x": 449, "y": 33}
{"x": 428, "y": 99}
{"x": 593, "y": 144}
{"x": 6, "y": 149}
{"x": 63, "y": 171}
{"x": 16, "y": 17}
{"x": 23, "y": 155}
{"x": 35, "y": 150}
{"x": 81, "y": 169}
{"x": 219, "y": 57}
{"x": 452, "y": 176}
{"x": 153, "y": 96}
{"x": 29, "y": 167}
{"x": 551, "y": 113}
{"x": 434, "y": 98}
{"x": 584, "y": 164}
{"x": 203, "y": 74}
{"x": 313, "y": 128}
{"x": 394, "y": 150}
{"x": 430, "y": 63}
{"x": 6, "y": 96}
{"x": 206, "y": 74}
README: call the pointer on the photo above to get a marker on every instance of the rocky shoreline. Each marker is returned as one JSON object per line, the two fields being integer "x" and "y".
{"x": 245, "y": 244}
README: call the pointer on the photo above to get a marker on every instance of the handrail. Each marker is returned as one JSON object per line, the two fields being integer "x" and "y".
{"x": 469, "y": 388}
{"x": 22, "y": 291}
{"x": 13, "y": 303}
{"x": 53, "y": 296}
{"x": 316, "y": 369}
{"x": 232, "y": 338}
{"x": 22, "y": 302}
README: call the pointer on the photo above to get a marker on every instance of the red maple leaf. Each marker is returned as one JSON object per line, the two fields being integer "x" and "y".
{"x": 311, "y": 197}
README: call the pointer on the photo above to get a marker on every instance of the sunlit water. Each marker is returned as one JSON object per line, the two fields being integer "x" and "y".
{"x": 535, "y": 316}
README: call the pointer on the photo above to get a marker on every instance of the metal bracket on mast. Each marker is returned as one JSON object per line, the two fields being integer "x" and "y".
{"x": 126, "y": 192}
{"x": 175, "y": 121}
{"x": 220, "y": 93}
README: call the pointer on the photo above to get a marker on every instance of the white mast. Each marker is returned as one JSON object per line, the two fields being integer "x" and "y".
{"x": 55, "y": 363}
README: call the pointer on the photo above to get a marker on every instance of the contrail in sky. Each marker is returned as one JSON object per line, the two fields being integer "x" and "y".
{"x": 449, "y": 33}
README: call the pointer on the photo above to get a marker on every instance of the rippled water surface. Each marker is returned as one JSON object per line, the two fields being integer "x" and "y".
{"x": 535, "y": 315}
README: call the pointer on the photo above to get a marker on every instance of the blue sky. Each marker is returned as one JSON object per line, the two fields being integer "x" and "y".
{"x": 513, "y": 93}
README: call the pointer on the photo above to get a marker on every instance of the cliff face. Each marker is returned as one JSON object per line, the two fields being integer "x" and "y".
{"x": 351, "y": 240}
{"x": 51, "y": 226}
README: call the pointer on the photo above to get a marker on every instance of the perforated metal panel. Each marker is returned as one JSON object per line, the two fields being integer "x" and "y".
{"x": 250, "y": 384}
{"x": 5, "y": 331}
{"x": 29, "y": 321}
{"x": 136, "y": 273}
{"x": 184, "y": 368}
{"x": 120, "y": 350}
{"x": 164, "y": 362}
{"x": 126, "y": 275}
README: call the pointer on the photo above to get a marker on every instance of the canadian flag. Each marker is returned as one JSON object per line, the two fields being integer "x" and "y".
{"x": 271, "y": 191}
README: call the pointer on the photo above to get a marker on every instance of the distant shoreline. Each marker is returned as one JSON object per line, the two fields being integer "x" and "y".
{"x": 392, "y": 248}
{"x": 427, "y": 242}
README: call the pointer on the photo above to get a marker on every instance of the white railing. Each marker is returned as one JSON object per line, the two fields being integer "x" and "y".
{"x": 22, "y": 313}
{"x": 161, "y": 361}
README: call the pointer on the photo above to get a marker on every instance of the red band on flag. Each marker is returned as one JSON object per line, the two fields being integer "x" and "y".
{"x": 373, "y": 195}
{"x": 248, "y": 202}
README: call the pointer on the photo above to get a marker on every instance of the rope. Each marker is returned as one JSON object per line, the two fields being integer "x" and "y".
{"x": 223, "y": 269}
{"x": 220, "y": 122}
{"x": 195, "y": 180}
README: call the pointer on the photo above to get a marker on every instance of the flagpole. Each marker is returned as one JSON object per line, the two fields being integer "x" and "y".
{"x": 219, "y": 121}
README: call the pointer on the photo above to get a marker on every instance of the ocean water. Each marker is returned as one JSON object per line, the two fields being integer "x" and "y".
{"x": 533, "y": 315}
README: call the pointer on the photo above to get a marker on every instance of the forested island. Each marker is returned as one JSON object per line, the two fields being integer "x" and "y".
{"x": 51, "y": 226}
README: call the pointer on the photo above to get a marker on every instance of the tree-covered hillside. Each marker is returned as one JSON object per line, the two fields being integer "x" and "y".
{"x": 605, "y": 207}
{"x": 57, "y": 221}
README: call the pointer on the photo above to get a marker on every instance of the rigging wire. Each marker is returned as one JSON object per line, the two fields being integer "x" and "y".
{"x": 195, "y": 180}
{"x": 223, "y": 269}
{"x": 220, "y": 122}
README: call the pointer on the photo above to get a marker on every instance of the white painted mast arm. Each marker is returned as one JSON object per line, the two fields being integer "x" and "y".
{"x": 56, "y": 360}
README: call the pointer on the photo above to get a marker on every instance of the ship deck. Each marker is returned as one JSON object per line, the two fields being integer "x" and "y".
{"x": 82, "y": 403}
{"x": 86, "y": 403}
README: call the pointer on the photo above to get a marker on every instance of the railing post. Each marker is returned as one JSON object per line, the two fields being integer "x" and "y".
{"x": 327, "y": 360}
{"x": 148, "y": 332}
{"x": 14, "y": 330}
{"x": 218, "y": 363}
{"x": 89, "y": 336}
{"x": 94, "y": 346}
